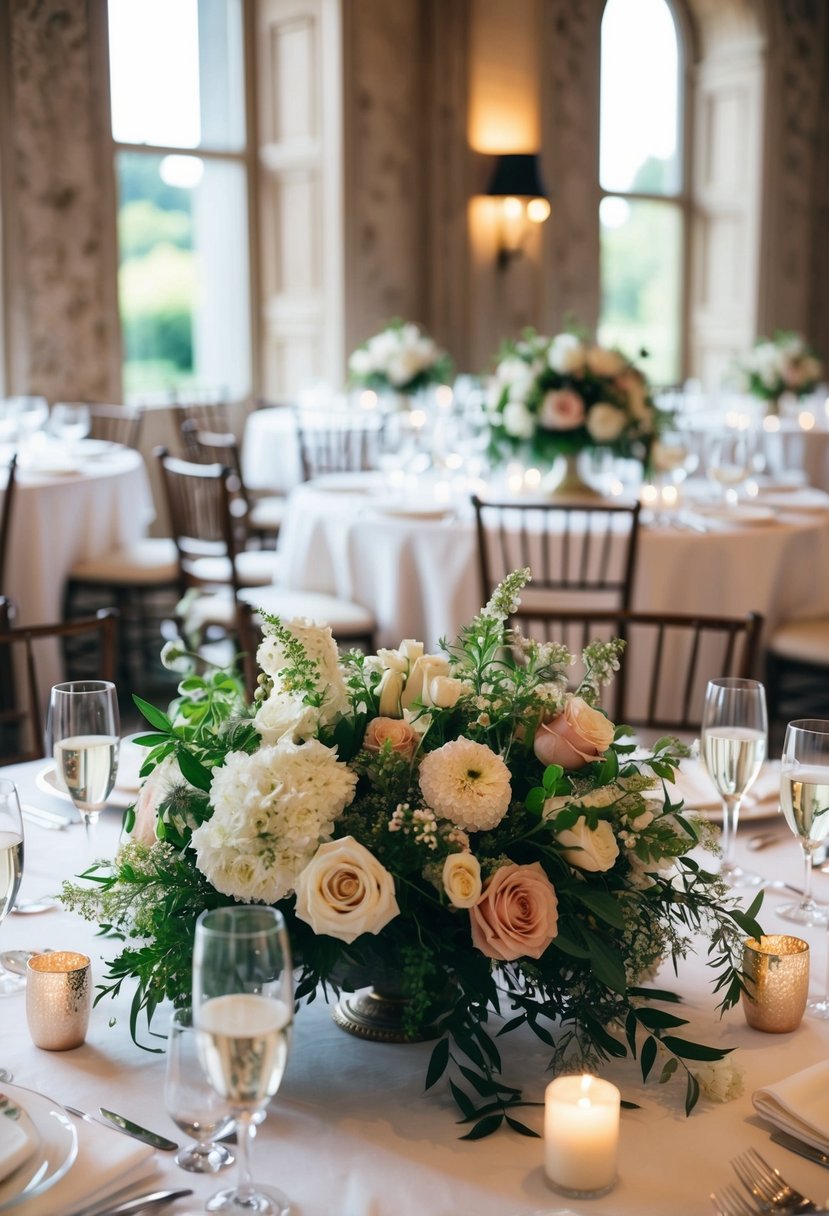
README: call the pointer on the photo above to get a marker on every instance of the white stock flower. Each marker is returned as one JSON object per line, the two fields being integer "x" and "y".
{"x": 271, "y": 809}
{"x": 344, "y": 891}
{"x": 592, "y": 849}
{"x": 462, "y": 879}
{"x": 605, "y": 422}
{"x": 467, "y": 783}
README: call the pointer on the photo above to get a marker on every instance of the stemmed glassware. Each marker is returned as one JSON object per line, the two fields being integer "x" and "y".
{"x": 70, "y": 421}
{"x": 11, "y": 866}
{"x": 804, "y": 801}
{"x": 243, "y": 1013}
{"x": 192, "y": 1103}
{"x": 734, "y": 737}
{"x": 83, "y": 735}
{"x": 728, "y": 460}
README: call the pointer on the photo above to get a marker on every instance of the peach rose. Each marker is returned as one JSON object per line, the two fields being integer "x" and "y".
{"x": 154, "y": 789}
{"x": 517, "y": 914}
{"x": 561, "y": 410}
{"x": 575, "y": 737}
{"x": 394, "y": 731}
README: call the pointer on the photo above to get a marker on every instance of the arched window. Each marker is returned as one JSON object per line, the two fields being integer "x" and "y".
{"x": 642, "y": 212}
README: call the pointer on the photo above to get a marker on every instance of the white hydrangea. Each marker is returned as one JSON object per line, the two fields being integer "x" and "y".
{"x": 271, "y": 811}
{"x": 721, "y": 1080}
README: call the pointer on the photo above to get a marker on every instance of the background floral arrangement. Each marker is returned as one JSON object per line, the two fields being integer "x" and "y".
{"x": 400, "y": 359}
{"x": 562, "y": 395}
{"x": 784, "y": 364}
{"x": 461, "y": 816}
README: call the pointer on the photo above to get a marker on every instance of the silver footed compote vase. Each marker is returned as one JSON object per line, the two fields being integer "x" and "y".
{"x": 377, "y": 1007}
{"x": 565, "y": 480}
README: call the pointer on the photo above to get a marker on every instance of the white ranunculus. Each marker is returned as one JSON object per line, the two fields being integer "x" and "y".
{"x": 345, "y": 892}
{"x": 566, "y": 355}
{"x": 605, "y": 422}
{"x": 462, "y": 879}
{"x": 518, "y": 421}
{"x": 593, "y": 849}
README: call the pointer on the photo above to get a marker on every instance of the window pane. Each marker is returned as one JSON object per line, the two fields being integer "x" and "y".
{"x": 639, "y": 141}
{"x": 183, "y": 277}
{"x": 641, "y": 271}
{"x": 160, "y": 51}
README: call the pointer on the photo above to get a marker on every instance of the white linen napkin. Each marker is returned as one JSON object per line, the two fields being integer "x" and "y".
{"x": 16, "y": 1144}
{"x": 697, "y": 789}
{"x": 107, "y": 1161}
{"x": 799, "y": 1104}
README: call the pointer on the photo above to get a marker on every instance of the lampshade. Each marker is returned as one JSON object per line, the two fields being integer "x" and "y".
{"x": 517, "y": 174}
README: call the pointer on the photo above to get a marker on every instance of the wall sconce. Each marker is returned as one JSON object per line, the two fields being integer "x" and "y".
{"x": 516, "y": 184}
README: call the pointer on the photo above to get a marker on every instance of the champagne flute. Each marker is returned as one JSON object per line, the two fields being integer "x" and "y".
{"x": 11, "y": 867}
{"x": 83, "y": 736}
{"x": 243, "y": 1012}
{"x": 734, "y": 732}
{"x": 192, "y": 1103}
{"x": 804, "y": 801}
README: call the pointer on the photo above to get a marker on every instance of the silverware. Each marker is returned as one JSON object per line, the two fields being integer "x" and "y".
{"x": 130, "y": 1207}
{"x": 786, "y": 1140}
{"x": 768, "y": 1186}
{"x": 31, "y": 907}
{"x": 46, "y": 818}
{"x": 110, "y": 1119}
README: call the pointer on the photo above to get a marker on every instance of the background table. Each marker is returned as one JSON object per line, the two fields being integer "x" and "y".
{"x": 270, "y": 451}
{"x": 352, "y": 1132}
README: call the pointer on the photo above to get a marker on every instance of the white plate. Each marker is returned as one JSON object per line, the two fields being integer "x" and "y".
{"x": 347, "y": 483}
{"x": 412, "y": 510}
{"x": 96, "y": 447}
{"x": 46, "y": 780}
{"x": 58, "y": 1147}
{"x": 740, "y": 513}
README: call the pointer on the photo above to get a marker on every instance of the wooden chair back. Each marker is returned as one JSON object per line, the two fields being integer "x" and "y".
{"x": 667, "y": 661}
{"x": 209, "y": 411}
{"x": 579, "y": 554}
{"x": 337, "y": 443}
{"x": 21, "y": 714}
{"x": 199, "y": 500}
{"x": 6, "y": 518}
{"x": 116, "y": 423}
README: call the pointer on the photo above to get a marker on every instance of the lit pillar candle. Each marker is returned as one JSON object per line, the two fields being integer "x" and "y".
{"x": 581, "y": 1134}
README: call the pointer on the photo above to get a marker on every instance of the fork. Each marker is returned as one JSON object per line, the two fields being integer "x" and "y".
{"x": 768, "y": 1187}
{"x": 731, "y": 1202}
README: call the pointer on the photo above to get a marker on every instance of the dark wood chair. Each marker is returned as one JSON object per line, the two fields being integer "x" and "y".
{"x": 338, "y": 443}
{"x": 210, "y": 411}
{"x": 94, "y": 646}
{"x": 579, "y": 554}
{"x": 116, "y": 424}
{"x": 260, "y": 517}
{"x": 6, "y": 518}
{"x": 667, "y": 662}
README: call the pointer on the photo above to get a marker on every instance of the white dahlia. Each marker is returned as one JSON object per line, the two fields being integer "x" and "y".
{"x": 467, "y": 783}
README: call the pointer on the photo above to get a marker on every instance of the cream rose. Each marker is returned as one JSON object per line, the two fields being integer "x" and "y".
{"x": 462, "y": 879}
{"x": 394, "y": 731}
{"x": 605, "y": 422}
{"x": 345, "y": 892}
{"x": 603, "y": 362}
{"x": 517, "y": 914}
{"x": 566, "y": 355}
{"x": 443, "y": 692}
{"x": 575, "y": 737}
{"x": 593, "y": 849}
{"x": 425, "y": 669}
{"x": 561, "y": 410}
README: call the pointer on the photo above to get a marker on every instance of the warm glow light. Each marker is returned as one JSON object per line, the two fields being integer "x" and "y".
{"x": 806, "y": 419}
{"x": 538, "y": 210}
{"x": 513, "y": 208}
{"x": 732, "y": 418}
{"x": 649, "y": 494}
{"x": 368, "y": 399}
{"x": 532, "y": 479}
{"x": 771, "y": 423}
{"x": 444, "y": 396}
{"x": 417, "y": 418}
{"x": 670, "y": 496}
{"x": 454, "y": 461}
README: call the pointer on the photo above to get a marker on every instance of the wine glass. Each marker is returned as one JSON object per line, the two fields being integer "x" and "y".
{"x": 83, "y": 735}
{"x": 804, "y": 801}
{"x": 243, "y": 1012}
{"x": 70, "y": 421}
{"x": 192, "y": 1103}
{"x": 728, "y": 460}
{"x": 11, "y": 867}
{"x": 734, "y": 733}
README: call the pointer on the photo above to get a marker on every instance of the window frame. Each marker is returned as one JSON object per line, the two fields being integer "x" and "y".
{"x": 247, "y": 157}
{"x": 682, "y": 199}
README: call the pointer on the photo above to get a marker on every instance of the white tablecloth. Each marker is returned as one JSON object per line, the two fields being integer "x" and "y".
{"x": 352, "y": 1132}
{"x": 419, "y": 574}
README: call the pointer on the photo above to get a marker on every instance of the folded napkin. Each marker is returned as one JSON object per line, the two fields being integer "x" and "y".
{"x": 799, "y": 1105}
{"x": 18, "y": 1140}
{"x": 698, "y": 792}
{"x": 107, "y": 1161}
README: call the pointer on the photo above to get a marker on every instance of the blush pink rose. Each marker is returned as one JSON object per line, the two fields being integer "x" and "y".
{"x": 394, "y": 731}
{"x": 517, "y": 914}
{"x": 575, "y": 737}
{"x": 561, "y": 410}
{"x": 153, "y": 791}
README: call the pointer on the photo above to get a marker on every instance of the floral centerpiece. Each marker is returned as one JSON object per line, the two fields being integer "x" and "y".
{"x": 783, "y": 364}
{"x": 562, "y": 395}
{"x": 401, "y": 359}
{"x": 463, "y": 819}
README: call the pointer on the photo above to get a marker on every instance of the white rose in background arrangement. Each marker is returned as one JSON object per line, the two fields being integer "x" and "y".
{"x": 593, "y": 849}
{"x": 603, "y": 362}
{"x": 566, "y": 355}
{"x": 605, "y": 422}
{"x": 561, "y": 410}
{"x": 360, "y": 362}
{"x": 462, "y": 879}
{"x": 721, "y": 1080}
{"x": 518, "y": 421}
{"x": 509, "y": 370}
{"x": 345, "y": 892}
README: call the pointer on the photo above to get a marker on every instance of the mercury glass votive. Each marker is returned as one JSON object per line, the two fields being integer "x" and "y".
{"x": 58, "y": 999}
{"x": 777, "y": 979}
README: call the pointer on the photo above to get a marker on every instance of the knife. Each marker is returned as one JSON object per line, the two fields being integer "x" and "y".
{"x": 124, "y": 1125}
{"x": 130, "y": 1207}
{"x": 136, "y": 1130}
{"x": 800, "y": 1146}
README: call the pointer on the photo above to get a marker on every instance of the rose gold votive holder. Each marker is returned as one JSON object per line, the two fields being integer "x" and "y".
{"x": 58, "y": 999}
{"x": 777, "y": 979}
